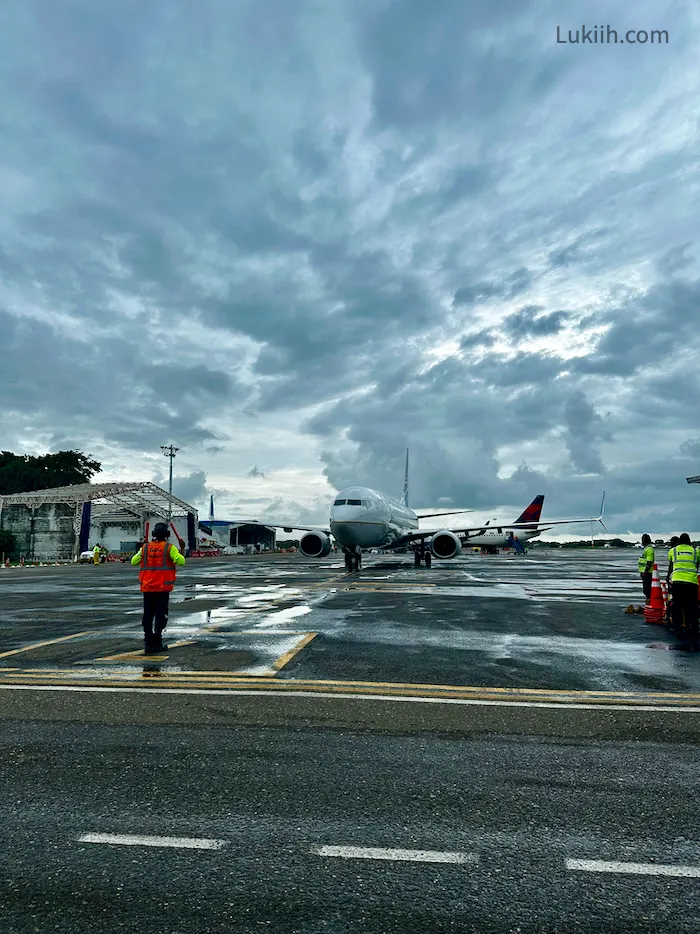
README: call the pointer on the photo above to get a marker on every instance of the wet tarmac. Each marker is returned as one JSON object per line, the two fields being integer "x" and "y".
{"x": 176, "y": 830}
{"x": 551, "y": 621}
{"x": 488, "y": 745}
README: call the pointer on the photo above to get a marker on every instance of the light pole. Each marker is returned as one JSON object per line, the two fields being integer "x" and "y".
{"x": 170, "y": 451}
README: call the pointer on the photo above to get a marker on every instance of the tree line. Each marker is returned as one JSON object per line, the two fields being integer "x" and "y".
{"x": 25, "y": 473}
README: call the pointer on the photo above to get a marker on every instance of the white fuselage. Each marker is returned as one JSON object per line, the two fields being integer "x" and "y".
{"x": 500, "y": 537}
{"x": 364, "y": 518}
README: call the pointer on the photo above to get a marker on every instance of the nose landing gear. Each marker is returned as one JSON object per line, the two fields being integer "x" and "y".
{"x": 421, "y": 553}
{"x": 353, "y": 560}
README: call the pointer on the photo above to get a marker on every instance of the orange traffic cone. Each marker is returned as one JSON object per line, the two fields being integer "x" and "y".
{"x": 655, "y": 610}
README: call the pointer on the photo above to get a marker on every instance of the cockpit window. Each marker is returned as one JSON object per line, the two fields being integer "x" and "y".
{"x": 354, "y": 502}
{"x": 340, "y": 502}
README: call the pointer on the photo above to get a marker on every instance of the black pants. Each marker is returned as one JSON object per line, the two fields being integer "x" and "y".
{"x": 155, "y": 610}
{"x": 685, "y": 610}
{"x": 646, "y": 584}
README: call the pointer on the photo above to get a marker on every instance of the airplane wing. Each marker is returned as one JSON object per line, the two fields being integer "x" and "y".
{"x": 465, "y": 533}
{"x": 286, "y": 526}
{"x": 420, "y": 534}
{"x": 450, "y": 512}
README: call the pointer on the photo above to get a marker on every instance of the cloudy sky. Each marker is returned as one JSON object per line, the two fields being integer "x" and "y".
{"x": 293, "y": 237}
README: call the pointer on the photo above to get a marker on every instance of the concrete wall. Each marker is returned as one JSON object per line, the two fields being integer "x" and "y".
{"x": 43, "y": 533}
{"x": 47, "y": 532}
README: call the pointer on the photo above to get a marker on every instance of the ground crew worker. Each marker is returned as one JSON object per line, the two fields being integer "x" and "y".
{"x": 96, "y": 554}
{"x": 684, "y": 560}
{"x": 673, "y": 543}
{"x": 158, "y": 560}
{"x": 646, "y": 566}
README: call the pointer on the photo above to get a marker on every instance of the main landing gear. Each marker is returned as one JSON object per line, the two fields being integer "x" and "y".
{"x": 353, "y": 560}
{"x": 421, "y": 553}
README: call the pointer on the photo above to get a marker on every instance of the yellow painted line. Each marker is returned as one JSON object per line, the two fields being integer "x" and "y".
{"x": 128, "y": 675}
{"x": 285, "y": 659}
{"x": 259, "y": 683}
{"x": 394, "y": 686}
{"x": 234, "y": 680}
{"x": 124, "y": 656}
{"x": 40, "y": 645}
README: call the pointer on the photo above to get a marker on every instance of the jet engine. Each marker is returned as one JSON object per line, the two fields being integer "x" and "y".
{"x": 445, "y": 544}
{"x": 315, "y": 545}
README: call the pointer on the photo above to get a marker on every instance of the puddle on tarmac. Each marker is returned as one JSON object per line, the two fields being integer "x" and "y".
{"x": 630, "y": 657}
{"x": 282, "y": 616}
{"x": 185, "y": 625}
{"x": 511, "y": 591}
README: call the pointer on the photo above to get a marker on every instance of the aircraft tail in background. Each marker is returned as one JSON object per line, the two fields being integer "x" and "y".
{"x": 404, "y": 495}
{"x": 533, "y": 512}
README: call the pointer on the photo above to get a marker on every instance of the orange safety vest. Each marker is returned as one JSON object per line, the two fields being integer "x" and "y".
{"x": 157, "y": 568}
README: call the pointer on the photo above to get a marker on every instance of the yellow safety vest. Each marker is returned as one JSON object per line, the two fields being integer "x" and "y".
{"x": 646, "y": 556}
{"x": 685, "y": 560}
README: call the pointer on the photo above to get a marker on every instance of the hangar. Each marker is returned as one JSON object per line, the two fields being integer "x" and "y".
{"x": 240, "y": 534}
{"x": 58, "y": 524}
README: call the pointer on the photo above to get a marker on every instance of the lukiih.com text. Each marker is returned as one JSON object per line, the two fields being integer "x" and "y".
{"x": 606, "y": 35}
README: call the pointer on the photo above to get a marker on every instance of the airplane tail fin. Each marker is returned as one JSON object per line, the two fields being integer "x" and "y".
{"x": 602, "y": 512}
{"x": 533, "y": 512}
{"x": 404, "y": 495}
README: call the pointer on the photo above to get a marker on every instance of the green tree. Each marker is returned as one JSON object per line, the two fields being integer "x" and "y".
{"x": 23, "y": 473}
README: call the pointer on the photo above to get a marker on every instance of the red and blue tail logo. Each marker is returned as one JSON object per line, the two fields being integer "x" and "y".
{"x": 533, "y": 512}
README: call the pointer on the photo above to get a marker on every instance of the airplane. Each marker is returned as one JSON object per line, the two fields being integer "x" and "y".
{"x": 362, "y": 519}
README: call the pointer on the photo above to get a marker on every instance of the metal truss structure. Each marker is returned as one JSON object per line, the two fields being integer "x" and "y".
{"x": 137, "y": 499}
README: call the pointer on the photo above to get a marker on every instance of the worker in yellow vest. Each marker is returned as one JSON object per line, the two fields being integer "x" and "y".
{"x": 645, "y": 565}
{"x": 684, "y": 560}
{"x": 96, "y": 554}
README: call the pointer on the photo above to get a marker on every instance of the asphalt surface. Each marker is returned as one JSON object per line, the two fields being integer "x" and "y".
{"x": 272, "y": 800}
{"x": 490, "y": 745}
{"x": 548, "y": 621}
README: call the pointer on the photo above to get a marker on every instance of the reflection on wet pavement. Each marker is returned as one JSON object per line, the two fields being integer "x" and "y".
{"x": 552, "y": 620}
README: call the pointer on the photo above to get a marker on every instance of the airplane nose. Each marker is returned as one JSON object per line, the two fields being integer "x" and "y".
{"x": 363, "y": 534}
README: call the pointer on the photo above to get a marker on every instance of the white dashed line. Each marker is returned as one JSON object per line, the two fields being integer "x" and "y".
{"x": 637, "y": 869}
{"x": 120, "y": 839}
{"x": 413, "y": 856}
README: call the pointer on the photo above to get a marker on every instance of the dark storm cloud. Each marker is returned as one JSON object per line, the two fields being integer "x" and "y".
{"x": 515, "y": 284}
{"x": 208, "y": 211}
{"x": 584, "y": 429}
{"x": 520, "y": 370}
{"x": 529, "y": 322}
{"x": 646, "y": 330}
{"x": 191, "y": 488}
{"x": 675, "y": 260}
{"x": 481, "y": 340}
{"x": 578, "y": 250}
{"x": 418, "y": 62}
{"x": 102, "y": 382}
